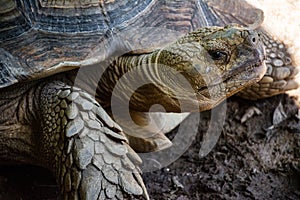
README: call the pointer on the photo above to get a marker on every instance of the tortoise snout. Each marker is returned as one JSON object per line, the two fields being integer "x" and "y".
{"x": 253, "y": 40}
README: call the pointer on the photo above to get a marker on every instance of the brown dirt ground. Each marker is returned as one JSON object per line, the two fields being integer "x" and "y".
{"x": 249, "y": 161}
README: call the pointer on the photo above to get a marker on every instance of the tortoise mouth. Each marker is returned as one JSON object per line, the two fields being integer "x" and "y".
{"x": 246, "y": 72}
{"x": 239, "y": 78}
{"x": 207, "y": 97}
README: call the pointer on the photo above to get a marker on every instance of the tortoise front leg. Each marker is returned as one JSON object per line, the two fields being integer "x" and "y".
{"x": 84, "y": 147}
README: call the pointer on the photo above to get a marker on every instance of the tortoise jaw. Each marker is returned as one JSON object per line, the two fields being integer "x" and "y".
{"x": 233, "y": 82}
{"x": 241, "y": 74}
{"x": 247, "y": 72}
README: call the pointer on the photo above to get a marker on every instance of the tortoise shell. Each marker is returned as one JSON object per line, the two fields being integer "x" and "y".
{"x": 39, "y": 38}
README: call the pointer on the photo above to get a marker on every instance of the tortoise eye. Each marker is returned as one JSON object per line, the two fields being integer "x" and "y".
{"x": 218, "y": 55}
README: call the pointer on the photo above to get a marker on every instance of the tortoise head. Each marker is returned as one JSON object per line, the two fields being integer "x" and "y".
{"x": 195, "y": 73}
{"x": 204, "y": 67}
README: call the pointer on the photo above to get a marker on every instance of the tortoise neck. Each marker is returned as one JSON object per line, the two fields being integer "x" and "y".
{"x": 135, "y": 80}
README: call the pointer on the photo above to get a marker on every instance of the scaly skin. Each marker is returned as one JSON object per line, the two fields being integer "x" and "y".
{"x": 68, "y": 132}
{"x": 86, "y": 149}
{"x": 64, "y": 129}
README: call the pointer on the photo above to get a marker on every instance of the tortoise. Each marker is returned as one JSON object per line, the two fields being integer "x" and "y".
{"x": 62, "y": 60}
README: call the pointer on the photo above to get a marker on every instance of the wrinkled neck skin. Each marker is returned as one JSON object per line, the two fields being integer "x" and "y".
{"x": 138, "y": 82}
{"x": 190, "y": 75}
{"x": 164, "y": 80}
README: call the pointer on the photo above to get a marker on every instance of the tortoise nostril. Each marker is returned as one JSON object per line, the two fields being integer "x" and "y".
{"x": 253, "y": 39}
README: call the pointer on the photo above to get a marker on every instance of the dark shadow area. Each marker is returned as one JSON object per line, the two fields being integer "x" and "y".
{"x": 27, "y": 183}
